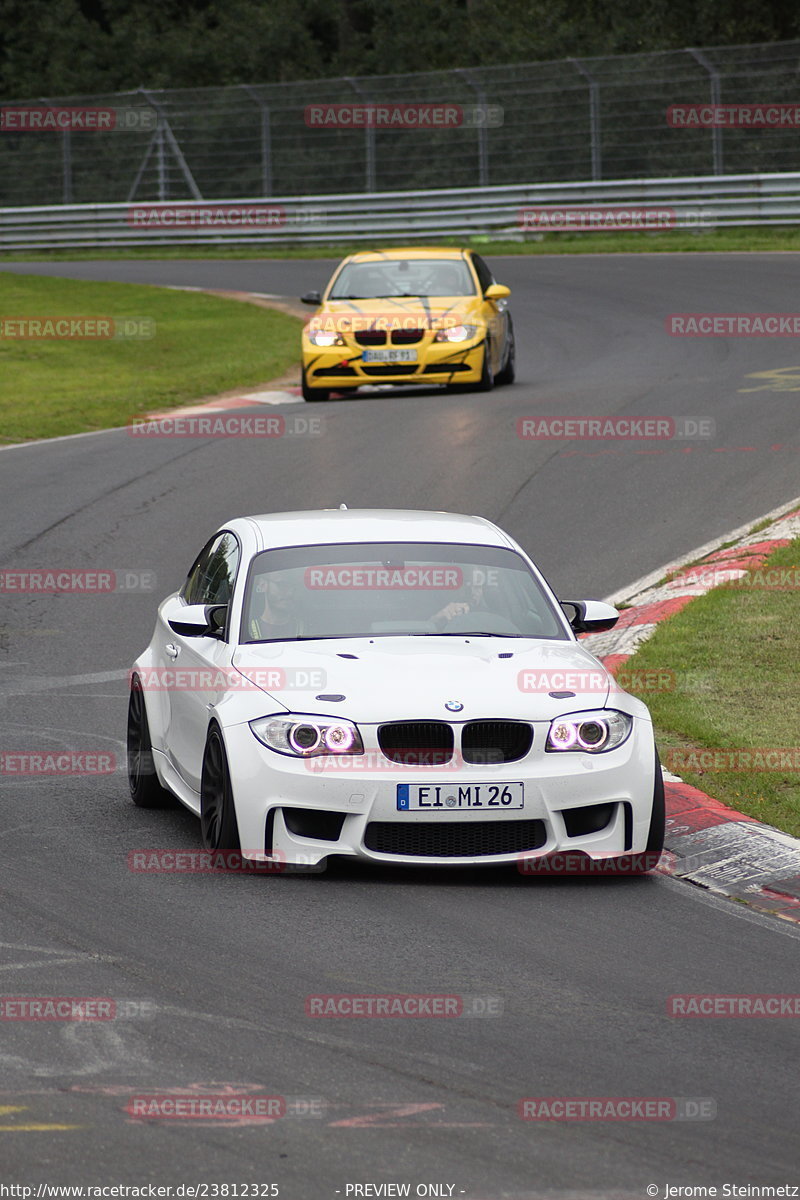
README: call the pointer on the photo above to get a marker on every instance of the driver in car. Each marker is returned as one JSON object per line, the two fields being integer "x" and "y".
{"x": 474, "y": 601}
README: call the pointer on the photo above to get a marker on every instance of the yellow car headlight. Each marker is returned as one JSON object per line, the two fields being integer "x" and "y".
{"x": 324, "y": 337}
{"x": 456, "y": 333}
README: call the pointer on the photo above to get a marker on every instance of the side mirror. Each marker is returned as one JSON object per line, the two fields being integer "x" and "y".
{"x": 200, "y": 620}
{"x": 590, "y": 616}
{"x": 497, "y": 291}
{"x": 311, "y": 298}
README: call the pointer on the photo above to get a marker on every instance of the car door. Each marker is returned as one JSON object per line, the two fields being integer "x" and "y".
{"x": 496, "y": 314}
{"x": 158, "y": 684}
{"x": 203, "y": 664}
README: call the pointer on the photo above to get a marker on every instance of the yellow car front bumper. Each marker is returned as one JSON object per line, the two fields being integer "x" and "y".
{"x": 340, "y": 367}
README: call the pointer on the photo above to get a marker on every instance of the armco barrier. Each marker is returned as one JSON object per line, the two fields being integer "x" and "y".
{"x": 698, "y": 202}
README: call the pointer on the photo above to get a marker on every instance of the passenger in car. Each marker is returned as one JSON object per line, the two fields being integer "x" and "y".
{"x": 279, "y": 617}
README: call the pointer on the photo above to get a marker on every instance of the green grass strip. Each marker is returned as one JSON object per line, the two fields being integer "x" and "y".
{"x": 201, "y": 346}
{"x": 735, "y": 655}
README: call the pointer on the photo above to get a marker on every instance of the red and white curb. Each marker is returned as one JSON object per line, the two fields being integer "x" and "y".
{"x": 245, "y": 400}
{"x": 708, "y": 843}
{"x": 248, "y": 400}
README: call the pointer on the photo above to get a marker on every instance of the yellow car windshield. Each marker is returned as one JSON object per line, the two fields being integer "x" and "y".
{"x": 404, "y": 277}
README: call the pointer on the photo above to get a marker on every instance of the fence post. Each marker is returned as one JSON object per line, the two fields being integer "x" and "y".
{"x": 369, "y": 141}
{"x": 164, "y": 134}
{"x": 266, "y": 140}
{"x": 161, "y": 160}
{"x": 483, "y": 133}
{"x": 66, "y": 167}
{"x": 594, "y": 118}
{"x": 716, "y": 130}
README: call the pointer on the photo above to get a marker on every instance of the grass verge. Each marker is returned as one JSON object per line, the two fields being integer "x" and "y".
{"x": 745, "y": 239}
{"x": 201, "y": 346}
{"x": 735, "y": 655}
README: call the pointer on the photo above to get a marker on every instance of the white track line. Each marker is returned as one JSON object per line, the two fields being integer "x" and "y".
{"x": 647, "y": 581}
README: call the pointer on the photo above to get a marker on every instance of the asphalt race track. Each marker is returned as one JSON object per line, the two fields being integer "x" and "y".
{"x": 222, "y": 963}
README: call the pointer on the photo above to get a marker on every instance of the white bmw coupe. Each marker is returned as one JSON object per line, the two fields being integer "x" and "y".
{"x": 396, "y": 686}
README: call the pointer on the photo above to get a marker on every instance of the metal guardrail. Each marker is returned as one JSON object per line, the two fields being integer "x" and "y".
{"x": 698, "y": 202}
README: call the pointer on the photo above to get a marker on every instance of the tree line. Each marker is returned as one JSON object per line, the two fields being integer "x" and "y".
{"x": 75, "y": 47}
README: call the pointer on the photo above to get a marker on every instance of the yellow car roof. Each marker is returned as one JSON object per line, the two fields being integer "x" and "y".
{"x": 407, "y": 252}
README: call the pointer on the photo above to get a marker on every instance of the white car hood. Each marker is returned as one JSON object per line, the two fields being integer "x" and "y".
{"x": 413, "y": 678}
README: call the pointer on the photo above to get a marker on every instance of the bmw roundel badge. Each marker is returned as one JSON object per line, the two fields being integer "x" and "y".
{"x": 454, "y": 706}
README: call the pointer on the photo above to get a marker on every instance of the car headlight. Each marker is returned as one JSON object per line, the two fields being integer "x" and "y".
{"x": 325, "y": 337}
{"x": 304, "y": 736}
{"x": 456, "y": 333}
{"x": 589, "y": 732}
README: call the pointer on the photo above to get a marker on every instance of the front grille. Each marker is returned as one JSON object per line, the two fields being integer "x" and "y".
{"x": 391, "y": 369}
{"x": 590, "y": 819}
{"x": 371, "y": 337}
{"x": 335, "y": 371}
{"x": 314, "y": 823}
{"x": 446, "y": 368}
{"x": 417, "y": 743}
{"x": 496, "y": 741}
{"x": 454, "y": 839}
{"x": 406, "y": 337}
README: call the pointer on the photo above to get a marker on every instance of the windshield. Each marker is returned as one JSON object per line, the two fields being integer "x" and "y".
{"x": 391, "y": 588}
{"x": 403, "y": 277}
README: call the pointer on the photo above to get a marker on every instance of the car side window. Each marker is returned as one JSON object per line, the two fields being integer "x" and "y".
{"x": 485, "y": 277}
{"x": 211, "y": 579}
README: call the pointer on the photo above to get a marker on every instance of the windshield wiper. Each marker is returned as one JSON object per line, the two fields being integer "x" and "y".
{"x": 470, "y": 633}
{"x": 302, "y": 637}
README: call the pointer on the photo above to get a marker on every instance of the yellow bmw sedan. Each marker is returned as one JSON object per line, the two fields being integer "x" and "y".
{"x": 408, "y": 316}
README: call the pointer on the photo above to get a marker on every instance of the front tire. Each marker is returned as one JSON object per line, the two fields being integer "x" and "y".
{"x": 217, "y": 813}
{"x": 509, "y": 372}
{"x": 146, "y": 790}
{"x": 642, "y": 864}
{"x": 658, "y": 817}
{"x": 487, "y": 376}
